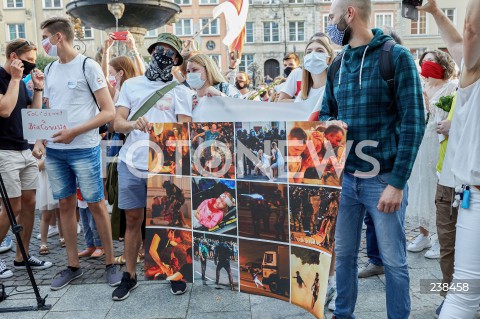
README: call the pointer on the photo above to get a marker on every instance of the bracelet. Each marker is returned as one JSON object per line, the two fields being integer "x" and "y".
{"x": 134, "y": 53}
{"x": 38, "y": 89}
{"x": 232, "y": 68}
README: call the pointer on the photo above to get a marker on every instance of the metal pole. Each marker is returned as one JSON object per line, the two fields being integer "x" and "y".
{"x": 284, "y": 28}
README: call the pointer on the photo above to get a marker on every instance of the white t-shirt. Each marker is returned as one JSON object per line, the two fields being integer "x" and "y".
{"x": 315, "y": 98}
{"x": 135, "y": 92}
{"x": 293, "y": 84}
{"x": 66, "y": 89}
{"x": 247, "y": 95}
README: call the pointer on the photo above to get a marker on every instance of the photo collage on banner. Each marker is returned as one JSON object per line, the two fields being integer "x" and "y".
{"x": 246, "y": 206}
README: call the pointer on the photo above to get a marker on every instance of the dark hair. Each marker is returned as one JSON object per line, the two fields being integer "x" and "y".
{"x": 292, "y": 56}
{"x": 189, "y": 252}
{"x": 19, "y": 46}
{"x": 391, "y": 32}
{"x": 333, "y": 129}
{"x": 298, "y": 133}
{"x": 59, "y": 24}
{"x": 444, "y": 59}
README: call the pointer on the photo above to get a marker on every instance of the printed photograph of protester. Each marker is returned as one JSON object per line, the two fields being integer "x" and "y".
{"x": 316, "y": 153}
{"x": 309, "y": 278}
{"x": 313, "y": 216}
{"x": 215, "y": 260}
{"x": 263, "y": 210}
{"x": 168, "y": 254}
{"x": 212, "y": 149}
{"x": 214, "y": 208}
{"x": 261, "y": 151}
{"x": 172, "y": 154}
{"x": 265, "y": 269}
{"x": 169, "y": 201}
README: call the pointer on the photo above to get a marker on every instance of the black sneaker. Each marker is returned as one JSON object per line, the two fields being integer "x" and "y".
{"x": 34, "y": 262}
{"x": 178, "y": 287}
{"x": 126, "y": 285}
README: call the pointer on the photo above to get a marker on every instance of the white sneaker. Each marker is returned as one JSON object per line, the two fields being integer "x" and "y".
{"x": 4, "y": 271}
{"x": 434, "y": 252}
{"x": 420, "y": 243}
{"x": 52, "y": 231}
{"x": 79, "y": 228}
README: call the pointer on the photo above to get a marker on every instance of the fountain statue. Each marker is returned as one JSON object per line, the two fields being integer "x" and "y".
{"x": 136, "y": 16}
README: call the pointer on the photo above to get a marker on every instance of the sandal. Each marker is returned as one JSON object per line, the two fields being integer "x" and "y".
{"x": 43, "y": 250}
{"x": 62, "y": 242}
{"x": 120, "y": 260}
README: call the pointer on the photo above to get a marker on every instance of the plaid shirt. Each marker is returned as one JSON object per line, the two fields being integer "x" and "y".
{"x": 360, "y": 97}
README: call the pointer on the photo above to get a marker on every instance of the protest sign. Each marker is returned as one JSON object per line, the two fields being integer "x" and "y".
{"x": 42, "y": 124}
{"x": 256, "y": 200}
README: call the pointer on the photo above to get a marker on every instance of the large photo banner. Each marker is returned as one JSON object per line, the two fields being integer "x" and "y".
{"x": 248, "y": 206}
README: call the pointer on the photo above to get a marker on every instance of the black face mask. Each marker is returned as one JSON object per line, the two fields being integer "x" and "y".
{"x": 28, "y": 67}
{"x": 160, "y": 66}
{"x": 287, "y": 71}
{"x": 263, "y": 94}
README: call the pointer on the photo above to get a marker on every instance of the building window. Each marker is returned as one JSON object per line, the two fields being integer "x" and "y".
{"x": 325, "y": 23}
{"x": 151, "y": 33}
{"x": 383, "y": 19}
{"x": 52, "y": 4}
{"x": 217, "y": 58}
{"x": 12, "y": 4}
{"x": 249, "y": 35}
{"x": 208, "y": 1}
{"x": 212, "y": 29}
{"x": 88, "y": 33}
{"x": 296, "y": 1}
{"x": 270, "y": 32}
{"x": 183, "y": 2}
{"x": 450, "y": 13}
{"x": 296, "y": 31}
{"x": 247, "y": 59}
{"x": 16, "y": 31}
{"x": 417, "y": 53}
{"x": 420, "y": 26}
{"x": 183, "y": 27}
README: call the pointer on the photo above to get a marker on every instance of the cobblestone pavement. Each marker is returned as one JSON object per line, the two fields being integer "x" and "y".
{"x": 89, "y": 297}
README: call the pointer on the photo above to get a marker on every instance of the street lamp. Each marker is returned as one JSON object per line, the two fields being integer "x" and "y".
{"x": 282, "y": 5}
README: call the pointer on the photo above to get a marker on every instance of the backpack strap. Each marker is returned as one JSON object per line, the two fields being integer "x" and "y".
{"x": 332, "y": 72}
{"x": 47, "y": 68}
{"x": 387, "y": 67}
{"x": 89, "y": 88}
{"x": 153, "y": 100}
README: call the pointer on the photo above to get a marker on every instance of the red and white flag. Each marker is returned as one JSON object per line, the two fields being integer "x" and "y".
{"x": 235, "y": 12}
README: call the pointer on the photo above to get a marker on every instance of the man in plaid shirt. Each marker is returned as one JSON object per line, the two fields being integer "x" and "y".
{"x": 385, "y": 139}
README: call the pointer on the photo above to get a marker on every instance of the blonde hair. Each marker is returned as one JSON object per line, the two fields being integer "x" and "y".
{"x": 307, "y": 80}
{"x": 213, "y": 73}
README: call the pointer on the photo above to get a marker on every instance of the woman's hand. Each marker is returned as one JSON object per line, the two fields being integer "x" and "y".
{"x": 211, "y": 91}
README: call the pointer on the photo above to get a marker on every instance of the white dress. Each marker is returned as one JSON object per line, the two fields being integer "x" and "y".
{"x": 422, "y": 185}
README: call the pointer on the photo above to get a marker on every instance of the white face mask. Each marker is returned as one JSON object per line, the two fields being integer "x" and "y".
{"x": 49, "y": 48}
{"x": 315, "y": 62}
{"x": 195, "y": 80}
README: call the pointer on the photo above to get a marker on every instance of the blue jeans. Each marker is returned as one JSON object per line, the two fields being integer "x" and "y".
{"x": 66, "y": 167}
{"x": 358, "y": 196}
{"x": 89, "y": 228}
{"x": 371, "y": 238}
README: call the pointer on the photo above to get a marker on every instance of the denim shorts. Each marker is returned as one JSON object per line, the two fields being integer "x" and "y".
{"x": 66, "y": 167}
{"x": 132, "y": 187}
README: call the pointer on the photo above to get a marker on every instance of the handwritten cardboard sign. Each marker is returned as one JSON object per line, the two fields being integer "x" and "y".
{"x": 42, "y": 124}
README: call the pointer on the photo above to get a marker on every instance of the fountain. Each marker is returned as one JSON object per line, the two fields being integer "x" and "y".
{"x": 136, "y": 16}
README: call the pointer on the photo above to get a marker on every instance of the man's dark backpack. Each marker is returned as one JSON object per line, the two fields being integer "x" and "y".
{"x": 104, "y": 128}
{"x": 387, "y": 70}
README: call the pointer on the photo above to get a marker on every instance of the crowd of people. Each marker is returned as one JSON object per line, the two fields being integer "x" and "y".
{"x": 425, "y": 125}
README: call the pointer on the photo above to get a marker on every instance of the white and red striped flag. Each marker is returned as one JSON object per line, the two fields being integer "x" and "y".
{"x": 235, "y": 12}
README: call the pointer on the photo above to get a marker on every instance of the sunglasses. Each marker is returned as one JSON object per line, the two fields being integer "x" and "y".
{"x": 165, "y": 51}
{"x": 30, "y": 44}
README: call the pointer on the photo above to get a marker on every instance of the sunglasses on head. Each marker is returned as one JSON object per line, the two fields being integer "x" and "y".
{"x": 30, "y": 44}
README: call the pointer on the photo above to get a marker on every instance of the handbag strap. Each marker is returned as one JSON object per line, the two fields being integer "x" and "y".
{"x": 153, "y": 100}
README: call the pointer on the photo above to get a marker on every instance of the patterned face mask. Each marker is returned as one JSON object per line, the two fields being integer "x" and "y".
{"x": 161, "y": 64}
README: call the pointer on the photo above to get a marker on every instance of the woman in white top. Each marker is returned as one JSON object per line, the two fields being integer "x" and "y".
{"x": 318, "y": 55}
{"x": 438, "y": 68}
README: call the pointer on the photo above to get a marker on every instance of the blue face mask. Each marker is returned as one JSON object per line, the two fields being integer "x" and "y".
{"x": 338, "y": 36}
